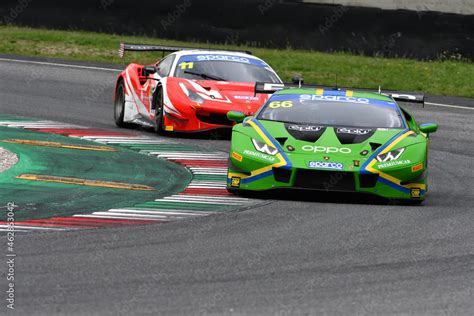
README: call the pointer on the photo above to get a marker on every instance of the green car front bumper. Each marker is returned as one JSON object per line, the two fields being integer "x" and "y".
{"x": 254, "y": 171}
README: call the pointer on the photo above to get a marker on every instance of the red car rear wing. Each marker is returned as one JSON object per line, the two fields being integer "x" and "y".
{"x": 164, "y": 49}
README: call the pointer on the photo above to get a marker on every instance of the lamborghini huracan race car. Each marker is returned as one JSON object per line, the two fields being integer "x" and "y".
{"x": 189, "y": 90}
{"x": 331, "y": 140}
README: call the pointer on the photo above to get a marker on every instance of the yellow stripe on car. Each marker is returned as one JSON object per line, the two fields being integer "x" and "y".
{"x": 387, "y": 176}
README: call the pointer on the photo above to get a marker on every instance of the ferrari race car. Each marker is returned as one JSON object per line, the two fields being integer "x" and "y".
{"x": 331, "y": 140}
{"x": 189, "y": 90}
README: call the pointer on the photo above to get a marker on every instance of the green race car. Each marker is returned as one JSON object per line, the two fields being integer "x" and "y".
{"x": 331, "y": 140}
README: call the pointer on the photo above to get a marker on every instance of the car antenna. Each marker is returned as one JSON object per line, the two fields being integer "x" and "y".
{"x": 337, "y": 85}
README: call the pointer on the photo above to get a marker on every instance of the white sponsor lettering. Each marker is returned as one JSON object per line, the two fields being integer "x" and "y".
{"x": 258, "y": 155}
{"x": 325, "y": 165}
{"x": 246, "y": 97}
{"x": 327, "y": 150}
{"x": 332, "y": 98}
{"x": 353, "y": 131}
{"x": 223, "y": 58}
{"x": 304, "y": 128}
{"x": 394, "y": 164}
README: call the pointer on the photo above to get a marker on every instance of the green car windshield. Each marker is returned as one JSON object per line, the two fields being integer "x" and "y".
{"x": 332, "y": 111}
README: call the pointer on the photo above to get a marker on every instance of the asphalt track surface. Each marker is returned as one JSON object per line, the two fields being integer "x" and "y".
{"x": 308, "y": 254}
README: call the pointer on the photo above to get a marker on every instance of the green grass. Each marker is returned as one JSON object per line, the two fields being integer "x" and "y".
{"x": 432, "y": 77}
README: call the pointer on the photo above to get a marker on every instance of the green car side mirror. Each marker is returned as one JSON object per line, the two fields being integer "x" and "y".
{"x": 235, "y": 116}
{"x": 428, "y": 128}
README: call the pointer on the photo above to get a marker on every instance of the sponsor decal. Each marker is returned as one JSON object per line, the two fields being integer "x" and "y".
{"x": 236, "y": 156}
{"x": 353, "y": 131}
{"x": 185, "y": 65}
{"x": 415, "y": 193}
{"x": 416, "y": 168}
{"x": 169, "y": 128}
{"x": 327, "y": 150}
{"x": 280, "y": 104}
{"x": 325, "y": 165}
{"x": 223, "y": 58}
{"x": 259, "y": 155}
{"x": 332, "y": 98}
{"x": 393, "y": 164}
{"x": 246, "y": 97}
{"x": 391, "y": 156}
{"x": 235, "y": 182}
{"x": 304, "y": 128}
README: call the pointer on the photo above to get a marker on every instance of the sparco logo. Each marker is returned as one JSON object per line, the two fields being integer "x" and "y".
{"x": 326, "y": 165}
{"x": 333, "y": 98}
{"x": 305, "y": 128}
{"x": 223, "y": 58}
{"x": 327, "y": 150}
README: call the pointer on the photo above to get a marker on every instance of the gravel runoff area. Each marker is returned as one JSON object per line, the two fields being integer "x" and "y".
{"x": 7, "y": 159}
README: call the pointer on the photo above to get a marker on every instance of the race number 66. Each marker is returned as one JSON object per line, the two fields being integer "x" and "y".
{"x": 280, "y": 104}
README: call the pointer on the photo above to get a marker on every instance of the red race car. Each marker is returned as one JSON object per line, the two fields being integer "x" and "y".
{"x": 190, "y": 89}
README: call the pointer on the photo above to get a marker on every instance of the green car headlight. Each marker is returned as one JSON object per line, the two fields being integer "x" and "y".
{"x": 391, "y": 155}
{"x": 193, "y": 96}
{"x": 264, "y": 148}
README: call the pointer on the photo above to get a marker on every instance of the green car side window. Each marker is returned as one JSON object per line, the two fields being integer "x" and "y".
{"x": 410, "y": 120}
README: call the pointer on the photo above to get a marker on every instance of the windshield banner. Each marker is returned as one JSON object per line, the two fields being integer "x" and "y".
{"x": 222, "y": 57}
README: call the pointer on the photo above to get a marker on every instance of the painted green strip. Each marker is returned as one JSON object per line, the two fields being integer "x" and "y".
{"x": 58, "y": 145}
{"x": 86, "y": 182}
{"x": 50, "y": 199}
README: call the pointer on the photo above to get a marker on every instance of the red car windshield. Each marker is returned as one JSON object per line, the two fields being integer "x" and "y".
{"x": 227, "y": 70}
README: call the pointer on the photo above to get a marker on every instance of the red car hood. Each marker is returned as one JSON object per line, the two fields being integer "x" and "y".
{"x": 229, "y": 96}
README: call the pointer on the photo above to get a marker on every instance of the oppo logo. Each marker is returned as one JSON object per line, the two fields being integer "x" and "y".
{"x": 327, "y": 150}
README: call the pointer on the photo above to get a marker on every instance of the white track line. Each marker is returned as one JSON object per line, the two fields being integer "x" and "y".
{"x": 450, "y": 106}
{"x": 111, "y": 217}
{"x": 29, "y": 227}
{"x": 43, "y": 63}
{"x": 208, "y": 199}
{"x": 117, "y": 70}
{"x": 118, "y": 215}
{"x": 208, "y": 186}
{"x": 167, "y": 200}
{"x": 212, "y": 197}
{"x": 16, "y": 230}
{"x": 159, "y": 212}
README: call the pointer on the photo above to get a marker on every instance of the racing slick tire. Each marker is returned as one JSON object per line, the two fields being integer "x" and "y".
{"x": 119, "y": 105}
{"x": 158, "y": 106}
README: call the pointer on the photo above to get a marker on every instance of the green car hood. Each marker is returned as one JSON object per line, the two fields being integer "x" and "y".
{"x": 300, "y": 141}
{"x": 329, "y": 144}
